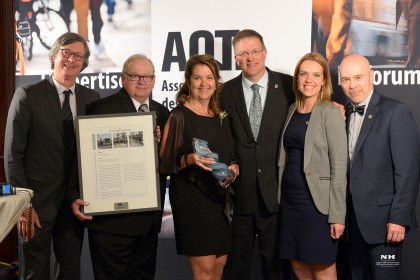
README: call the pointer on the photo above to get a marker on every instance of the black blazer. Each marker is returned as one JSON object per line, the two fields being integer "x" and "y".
{"x": 257, "y": 159}
{"x": 138, "y": 223}
{"x": 384, "y": 171}
{"x": 37, "y": 154}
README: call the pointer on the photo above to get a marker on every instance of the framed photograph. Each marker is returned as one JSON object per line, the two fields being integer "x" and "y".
{"x": 118, "y": 164}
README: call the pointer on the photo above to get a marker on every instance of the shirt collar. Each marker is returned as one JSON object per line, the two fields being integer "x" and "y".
{"x": 262, "y": 82}
{"x": 61, "y": 88}
{"x": 137, "y": 104}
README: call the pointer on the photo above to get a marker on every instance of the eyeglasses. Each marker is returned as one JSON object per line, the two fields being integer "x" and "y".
{"x": 68, "y": 53}
{"x": 134, "y": 77}
{"x": 247, "y": 54}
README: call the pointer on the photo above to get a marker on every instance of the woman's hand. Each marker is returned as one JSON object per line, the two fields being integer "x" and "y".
{"x": 336, "y": 230}
{"x": 199, "y": 161}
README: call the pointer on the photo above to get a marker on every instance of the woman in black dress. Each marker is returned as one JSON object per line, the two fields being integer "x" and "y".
{"x": 313, "y": 164}
{"x": 202, "y": 209}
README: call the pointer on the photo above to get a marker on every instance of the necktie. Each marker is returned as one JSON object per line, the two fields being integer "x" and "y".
{"x": 68, "y": 118}
{"x": 360, "y": 109}
{"x": 255, "y": 111}
{"x": 143, "y": 108}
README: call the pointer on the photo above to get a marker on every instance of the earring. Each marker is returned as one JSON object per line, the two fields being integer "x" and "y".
{"x": 321, "y": 92}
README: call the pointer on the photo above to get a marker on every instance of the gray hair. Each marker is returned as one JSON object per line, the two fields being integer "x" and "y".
{"x": 66, "y": 39}
{"x": 135, "y": 57}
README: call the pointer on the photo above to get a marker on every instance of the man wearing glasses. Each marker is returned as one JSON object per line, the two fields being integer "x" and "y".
{"x": 124, "y": 246}
{"x": 257, "y": 102}
{"x": 40, "y": 154}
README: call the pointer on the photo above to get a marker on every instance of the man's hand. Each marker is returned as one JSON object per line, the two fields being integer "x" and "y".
{"x": 158, "y": 134}
{"x": 396, "y": 233}
{"x": 27, "y": 222}
{"x": 75, "y": 207}
{"x": 341, "y": 108}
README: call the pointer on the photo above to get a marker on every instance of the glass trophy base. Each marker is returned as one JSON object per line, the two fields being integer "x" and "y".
{"x": 226, "y": 182}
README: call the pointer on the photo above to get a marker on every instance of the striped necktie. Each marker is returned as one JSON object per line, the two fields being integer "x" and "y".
{"x": 143, "y": 108}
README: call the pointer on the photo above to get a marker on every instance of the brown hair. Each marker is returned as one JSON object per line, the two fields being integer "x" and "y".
{"x": 326, "y": 89}
{"x": 184, "y": 92}
{"x": 66, "y": 39}
{"x": 247, "y": 33}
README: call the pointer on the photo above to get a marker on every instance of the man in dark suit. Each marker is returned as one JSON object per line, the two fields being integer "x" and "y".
{"x": 40, "y": 154}
{"x": 256, "y": 121}
{"x": 124, "y": 246}
{"x": 383, "y": 174}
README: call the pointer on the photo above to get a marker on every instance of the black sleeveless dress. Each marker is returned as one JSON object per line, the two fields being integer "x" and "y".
{"x": 198, "y": 202}
{"x": 304, "y": 231}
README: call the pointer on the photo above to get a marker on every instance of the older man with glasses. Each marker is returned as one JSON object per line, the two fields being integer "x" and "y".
{"x": 124, "y": 246}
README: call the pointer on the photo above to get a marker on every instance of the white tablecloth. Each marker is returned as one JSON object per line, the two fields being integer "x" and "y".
{"x": 11, "y": 207}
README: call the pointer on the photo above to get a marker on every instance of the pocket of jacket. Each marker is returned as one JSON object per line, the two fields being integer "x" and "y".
{"x": 385, "y": 200}
{"x": 34, "y": 175}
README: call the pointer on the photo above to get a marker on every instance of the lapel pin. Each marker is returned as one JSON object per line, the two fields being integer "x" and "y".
{"x": 369, "y": 116}
{"x": 276, "y": 85}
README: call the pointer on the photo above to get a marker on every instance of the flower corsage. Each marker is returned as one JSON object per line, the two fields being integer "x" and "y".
{"x": 222, "y": 115}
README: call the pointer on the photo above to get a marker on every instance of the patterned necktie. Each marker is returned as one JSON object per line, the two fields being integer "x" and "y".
{"x": 143, "y": 108}
{"x": 255, "y": 111}
{"x": 68, "y": 118}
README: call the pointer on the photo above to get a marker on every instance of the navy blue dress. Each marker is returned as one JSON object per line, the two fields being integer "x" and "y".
{"x": 304, "y": 231}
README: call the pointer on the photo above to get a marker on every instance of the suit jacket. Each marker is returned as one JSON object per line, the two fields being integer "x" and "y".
{"x": 257, "y": 159}
{"x": 324, "y": 160}
{"x": 37, "y": 153}
{"x": 384, "y": 172}
{"x": 129, "y": 224}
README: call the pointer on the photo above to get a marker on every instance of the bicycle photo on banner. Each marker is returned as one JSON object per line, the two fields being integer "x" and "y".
{"x": 107, "y": 25}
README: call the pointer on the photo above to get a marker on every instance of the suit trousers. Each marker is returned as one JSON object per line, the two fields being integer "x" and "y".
{"x": 261, "y": 225}
{"x": 371, "y": 261}
{"x": 66, "y": 234}
{"x": 123, "y": 257}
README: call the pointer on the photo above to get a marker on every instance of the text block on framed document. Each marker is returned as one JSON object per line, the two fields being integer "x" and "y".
{"x": 118, "y": 163}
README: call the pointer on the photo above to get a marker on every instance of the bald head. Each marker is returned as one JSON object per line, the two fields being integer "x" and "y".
{"x": 355, "y": 59}
{"x": 356, "y": 78}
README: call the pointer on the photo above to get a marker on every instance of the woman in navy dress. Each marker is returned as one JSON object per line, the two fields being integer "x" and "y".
{"x": 312, "y": 164}
{"x": 202, "y": 209}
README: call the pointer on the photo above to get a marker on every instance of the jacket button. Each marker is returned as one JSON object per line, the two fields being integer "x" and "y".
{"x": 259, "y": 170}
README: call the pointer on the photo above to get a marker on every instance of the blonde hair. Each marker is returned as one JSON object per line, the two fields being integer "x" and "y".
{"x": 326, "y": 89}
